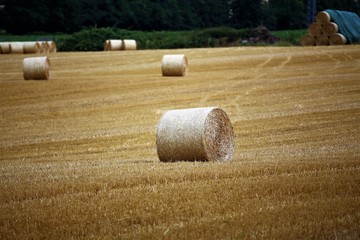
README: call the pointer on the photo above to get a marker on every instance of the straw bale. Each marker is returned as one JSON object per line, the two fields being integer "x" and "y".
{"x": 330, "y": 28}
{"x": 323, "y": 17}
{"x": 113, "y": 45}
{"x": 315, "y": 29}
{"x": 337, "y": 39}
{"x": 36, "y": 68}
{"x": 52, "y": 46}
{"x": 307, "y": 40}
{"x": 195, "y": 134}
{"x": 5, "y": 47}
{"x": 322, "y": 40}
{"x": 174, "y": 65}
{"x": 31, "y": 47}
{"x": 130, "y": 44}
{"x": 44, "y": 47}
{"x": 16, "y": 48}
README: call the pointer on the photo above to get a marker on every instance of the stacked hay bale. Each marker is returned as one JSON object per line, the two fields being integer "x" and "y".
{"x": 333, "y": 27}
{"x": 118, "y": 45}
{"x": 28, "y": 47}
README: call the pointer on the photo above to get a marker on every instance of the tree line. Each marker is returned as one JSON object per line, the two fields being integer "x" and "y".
{"x": 27, "y": 16}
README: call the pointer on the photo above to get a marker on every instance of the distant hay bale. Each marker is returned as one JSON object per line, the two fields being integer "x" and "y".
{"x": 323, "y": 17}
{"x": 44, "y": 47}
{"x": 115, "y": 45}
{"x": 107, "y": 45}
{"x": 337, "y": 39}
{"x": 330, "y": 28}
{"x": 174, "y": 65}
{"x": 315, "y": 29}
{"x": 16, "y": 48}
{"x": 195, "y": 134}
{"x": 307, "y": 40}
{"x": 5, "y": 47}
{"x": 129, "y": 44}
{"x": 322, "y": 40}
{"x": 36, "y": 68}
{"x": 31, "y": 47}
{"x": 52, "y": 46}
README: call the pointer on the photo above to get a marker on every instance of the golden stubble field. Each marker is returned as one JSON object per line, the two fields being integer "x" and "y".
{"x": 78, "y": 154}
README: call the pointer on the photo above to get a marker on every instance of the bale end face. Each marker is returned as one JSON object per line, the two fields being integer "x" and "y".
{"x": 36, "y": 68}
{"x": 174, "y": 65}
{"x": 197, "y": 134}
{"x": 323, "y": 17}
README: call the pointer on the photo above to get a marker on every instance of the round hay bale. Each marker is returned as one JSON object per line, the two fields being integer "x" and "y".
{"x": 17, "y": 47}
{"x": 322, "y": 40}
{"x": 36, "y": 68}
{"x": 130, "y": 44}
{"x": 52, "y": 46}
{"x": 5, "y": 47}
{"x": 330, "y": 28}
{"x": 115, "y": 45}
{"x": 107, "y": 45}
{"x": 195, "y": 134}
{"x": 307, "y": 40}
{"x": 31, "y": 47}
{"x": 323, "y": 17}
{"x": 337, "y": 39}
{"x": 44, "y": 47}
{"x": 174, "y": 65}
{"x": 315, "y": 29}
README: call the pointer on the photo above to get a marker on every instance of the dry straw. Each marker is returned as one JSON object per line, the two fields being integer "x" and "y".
{"x": 337, "y": 39}
{"x": 36, "y": 68}
{"x": 5, "y": 48}
{"x": 323, "y": 17}
{"x": 114, "y": 45}
{"x": 16, "y": 48}
{"x": 174, "y": 65}
{"x": 129, "y": 44}
{"x": 322, "y": 40}
{"x": 196, "y": 134}
{"x": 31, "y": 47}
{"x": 315, "y": 29}
{"x": 307, "y": 40}
{"x": 52, "y": 46}
{"x": 330, "y": 28}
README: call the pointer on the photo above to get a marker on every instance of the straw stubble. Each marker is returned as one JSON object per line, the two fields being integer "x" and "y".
{"x": 196, "y": 134}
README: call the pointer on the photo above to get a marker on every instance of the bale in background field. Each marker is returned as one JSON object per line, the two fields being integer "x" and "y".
{"x": 36, "y": 68}
{"x": 195, "y": 134}
{"x": 31, "y": 47}
{"x": 174, "y": 65}
{"x": 52, "y": 46}
{"x": 5, "y": 48}
{"x": 337, "y": 39}
{"x": 16, "y": 48}
{"x": 113, "y": 45}
{"x": 129, "y": 44}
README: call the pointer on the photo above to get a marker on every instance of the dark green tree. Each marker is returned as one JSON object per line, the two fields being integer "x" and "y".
{"x": 246, "y": 13}
{"x": 289, "y": 14}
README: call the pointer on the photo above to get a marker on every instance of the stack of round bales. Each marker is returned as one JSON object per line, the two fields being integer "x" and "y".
{"x": 332, "y": 27}
{"x": 119, "y": 45}
{"x": 28, "y": 47}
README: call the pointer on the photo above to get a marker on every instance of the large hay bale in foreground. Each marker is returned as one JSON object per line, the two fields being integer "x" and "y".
{"x": 129, "y": 44}
{"x": 16, "y": 48}
{"x": 36, "y": 68}
{"x": 174, "y": 65}
{"x": 195, "y": 134}
{"x": 31, "y": 47}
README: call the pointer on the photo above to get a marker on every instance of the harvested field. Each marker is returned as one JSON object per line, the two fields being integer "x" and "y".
{"x": 78, "y": 152}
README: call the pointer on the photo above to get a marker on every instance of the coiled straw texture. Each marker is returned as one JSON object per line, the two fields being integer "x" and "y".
{"x": 174, "y": 65}
{"x": 36, "y": 68}
{"x": 195, "y": 134}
